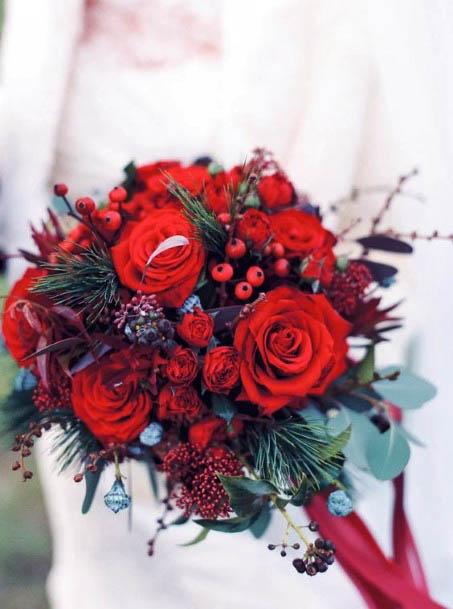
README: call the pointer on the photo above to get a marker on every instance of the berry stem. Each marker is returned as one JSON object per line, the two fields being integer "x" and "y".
{"x": 290, "y": 522}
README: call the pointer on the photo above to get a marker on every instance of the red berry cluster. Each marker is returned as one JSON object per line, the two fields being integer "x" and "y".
{"x": 58, "y": 395}
{"x": 348, "y": 288}
{"x": 195, "y": 471}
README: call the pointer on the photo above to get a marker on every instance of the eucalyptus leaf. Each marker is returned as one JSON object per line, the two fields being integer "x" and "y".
{"x": 198, "y": 539}
{"x": 259, "y": 527}
{"x": 91, "y": 482}
{"x": 362, "y": 429}
{"x": 365, "y": 369}
{"x": 408, "y": 391}
{"x": 302, "y": 493}
{"x": 223, "y": 407}
{"x": 247, "y": 496}
{"x": 231, "y": 525}
{"x": 388, "y": 453}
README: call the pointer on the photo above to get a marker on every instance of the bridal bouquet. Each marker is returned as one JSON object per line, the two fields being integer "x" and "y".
{"x": 200, "y": 321}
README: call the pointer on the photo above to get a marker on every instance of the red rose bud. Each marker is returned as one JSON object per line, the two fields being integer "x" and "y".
{"x": 243, "y": 290}
{"x": 254, "y": 228}
{"x": 60, "y": 190}
{"x": 235, "y": 248}
{"x": 222, "y": 272}
{"x": 275, "y": 191}
{"x": 196, "y": 328}
{"x": 181, "y": 403}
{"x": 221, "y": 369}
{"x": 85, "y": 206}
{"x": 182, "y": 367}
{"x": 118, "y": 194}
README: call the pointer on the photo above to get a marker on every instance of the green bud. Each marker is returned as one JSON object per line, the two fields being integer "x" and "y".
{"x": 214, "y": 168}
{"x": 342, "y": 263}
{"x": 252, "y": 201}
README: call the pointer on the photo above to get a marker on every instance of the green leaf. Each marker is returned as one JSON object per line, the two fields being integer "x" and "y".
{"x": 198, "y": 539}
{"x": 362, "y": 429}
{"x": 302, "y": 494}
{"x": 223, "y": 407}
{"x": 152, "y": 474}
{"x": 407, "y": 391}
{"x": 246, "y": 496}
{"x": 91, "y": 481}
{"x": 388, "y": 453}
{"x": 259, "y": 527}
{"x": 231, "y": 525}
{"x": 365, "y": 369}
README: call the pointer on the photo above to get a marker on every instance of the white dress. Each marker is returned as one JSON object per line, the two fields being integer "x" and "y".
{"x": 345, "y": 92}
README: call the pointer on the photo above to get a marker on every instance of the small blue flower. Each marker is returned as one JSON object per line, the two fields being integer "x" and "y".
{"x": 152, "y": 434}
{"x": 117, "y": 499}
{"x": 190, "y": 304}
{"x": 339, "y": 504}
{"x": 25, "y": 380}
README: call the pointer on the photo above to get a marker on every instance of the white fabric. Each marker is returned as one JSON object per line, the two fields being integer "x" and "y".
{"x": 350, "y": 92}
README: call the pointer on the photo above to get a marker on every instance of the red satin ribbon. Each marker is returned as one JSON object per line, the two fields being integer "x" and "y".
{"x": 384, "y": 583}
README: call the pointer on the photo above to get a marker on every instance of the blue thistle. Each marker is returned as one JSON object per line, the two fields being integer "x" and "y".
{"x": 339, "y": 504}
{"x": 193, "y": 302}
{"x": 25, "y": 380}
{"x": 152, "y": 434}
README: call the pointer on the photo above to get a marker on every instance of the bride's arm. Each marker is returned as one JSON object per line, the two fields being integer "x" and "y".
{"x": 37, "y": 48}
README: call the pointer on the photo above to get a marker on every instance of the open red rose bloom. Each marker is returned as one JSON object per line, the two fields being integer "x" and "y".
{"x": 200, "y": 322}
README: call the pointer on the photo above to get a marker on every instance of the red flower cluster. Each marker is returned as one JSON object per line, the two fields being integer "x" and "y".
{"x": 196, "y": 473}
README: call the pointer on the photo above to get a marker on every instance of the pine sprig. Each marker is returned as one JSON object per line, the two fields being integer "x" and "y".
{"x": 86, "y": 283}
{"x": 285, "y": 452}
{"x": 74, "y": 442}
{"x": 208, "y": 229}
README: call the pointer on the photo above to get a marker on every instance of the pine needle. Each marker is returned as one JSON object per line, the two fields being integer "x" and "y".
{"x": 288, "y": 451}
{"x": 86, "y": 282}
{"x": 208, "y": 229}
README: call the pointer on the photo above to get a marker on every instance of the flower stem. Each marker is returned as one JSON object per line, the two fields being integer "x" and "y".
{"x": 291, "y": 523}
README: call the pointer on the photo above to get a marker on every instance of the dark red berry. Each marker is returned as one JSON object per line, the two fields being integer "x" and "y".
{"x": 60, "y": 190}
{"x": 319, "y": 543}
{"x": 111, "y": 220}
{"x": 235, "y": 248}
{"x": 118, "y": 194}
{"x": 299, "y": 565}
{"x": 28, "y": 475}
{"x": 78, "y": 478}
{"x": 224, "y": 218}
{"x": 313, "y": 526}
{"x": 283, "y": 553}
{"x": 322, "y": 567}
{"x": 15, "y": 466}
{"x": 281, "y": 267}
{"x": 243, "y": 290}
{"x": 222, "y": 272}
{"x": 271, "y": 546}
{"x": 85, "y": 206}
{"x": 255, "y": 276}
{"x": 311, "y": 569}
{"x": 278, "y": 250}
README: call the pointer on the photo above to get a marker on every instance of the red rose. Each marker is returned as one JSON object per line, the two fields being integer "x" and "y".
{"x": 109, "y": 397}
{"x": 196, "y": 328}
{"x": 213, "y": 429}
{"x": 182, "y": 367}
{"x": 320, "y": 265}
{"x": 221, "y": 369}
{"x": 219, "y": 189}
{"x": 144, "y": 172}
{"x": 275, "y": 191}
{"x": 254, "y": 227}
{"x": 22, "y": 319}
{"x": 291, "y": 345}
{"x": 300, "y": 233}
{"x": 179, "y": 402}
{"x": 173, "y": 274}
